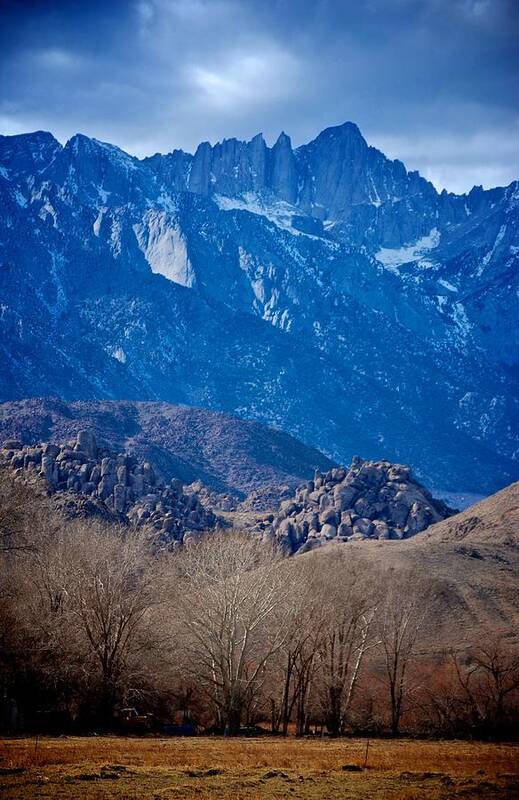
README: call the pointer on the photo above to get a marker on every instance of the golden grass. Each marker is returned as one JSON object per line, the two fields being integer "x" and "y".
{"x": 114, "y": 768}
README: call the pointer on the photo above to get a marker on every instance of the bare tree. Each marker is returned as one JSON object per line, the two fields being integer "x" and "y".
{"x": 114, "y": 592}
{"x": 487, "y": 674}
{"x": 19, "y": 505}
{"x": 407, "y": 605}
{"x": 94, "y": 593}
{"x": 291, "y": 671}
{"x": 350, "y": 605}
{"x": 234, "y": 611}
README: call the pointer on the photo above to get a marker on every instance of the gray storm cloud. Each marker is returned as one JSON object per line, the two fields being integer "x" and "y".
{"x": 434, "y": 83}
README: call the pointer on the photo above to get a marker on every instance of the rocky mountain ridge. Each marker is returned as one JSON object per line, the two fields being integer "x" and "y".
{"x": 324, "y": 290}
{"x": 324, "y": 179}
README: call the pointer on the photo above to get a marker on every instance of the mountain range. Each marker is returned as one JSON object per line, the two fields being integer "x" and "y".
{"x": 324, "y": 290}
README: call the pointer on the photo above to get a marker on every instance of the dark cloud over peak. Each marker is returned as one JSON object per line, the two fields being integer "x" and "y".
{"x": 432, "y": 82}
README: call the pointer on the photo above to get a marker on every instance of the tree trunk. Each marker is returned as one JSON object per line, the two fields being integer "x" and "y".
{"x": 233, "y": 720}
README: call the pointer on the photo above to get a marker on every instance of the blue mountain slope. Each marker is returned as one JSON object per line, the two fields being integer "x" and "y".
{"x": 324, "y": 290}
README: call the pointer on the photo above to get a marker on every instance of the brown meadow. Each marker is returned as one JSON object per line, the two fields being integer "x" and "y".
{"x": 113, "y": 768}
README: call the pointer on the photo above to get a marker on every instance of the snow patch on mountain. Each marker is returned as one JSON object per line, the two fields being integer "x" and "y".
{"x": 20, "y": 199}
{"x": 461, "y": 320}
{"x": 117, "y": 353}
{"x": 393, "y": 258}
{"x": 115, "y": 237}
{"x": 103, "y": 194}
{"x": 279, "y": 212}
{"x": 447, "y": 285}
{"x": 486, "y": 259}
{"x": 99, "y": 219}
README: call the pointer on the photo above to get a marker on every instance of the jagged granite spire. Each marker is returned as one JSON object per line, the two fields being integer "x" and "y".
{"x": 326, "y": 178}
{"x": 283, "y": 180}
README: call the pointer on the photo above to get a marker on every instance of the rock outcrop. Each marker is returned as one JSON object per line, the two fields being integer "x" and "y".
{"x": 117, "y": 486}
{"x": 368, "y": 500}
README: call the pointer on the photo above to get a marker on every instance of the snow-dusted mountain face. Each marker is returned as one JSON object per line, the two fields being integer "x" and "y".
{"x": 324, "y": 290}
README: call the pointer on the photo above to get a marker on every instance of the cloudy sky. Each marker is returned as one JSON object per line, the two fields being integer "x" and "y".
{"x": 433, "y": 82}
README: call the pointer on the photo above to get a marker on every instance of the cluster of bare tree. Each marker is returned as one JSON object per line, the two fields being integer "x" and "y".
{"x": 225, "y": 634}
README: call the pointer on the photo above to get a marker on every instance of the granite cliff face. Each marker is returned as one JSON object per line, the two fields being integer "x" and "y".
{"x": 324, "y": 290}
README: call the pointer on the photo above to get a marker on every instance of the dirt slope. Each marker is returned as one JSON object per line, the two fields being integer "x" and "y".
{"x": 474, "y": 557}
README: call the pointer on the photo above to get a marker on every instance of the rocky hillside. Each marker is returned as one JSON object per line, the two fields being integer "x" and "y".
{"x": 229, "y": 455}
{"x": 91, "y": 480}
{"x": 368, "y": 500}
{"x": 324, "y": 290}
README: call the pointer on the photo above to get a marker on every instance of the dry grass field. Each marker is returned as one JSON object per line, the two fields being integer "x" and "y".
{"x": 110, "y": 768}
